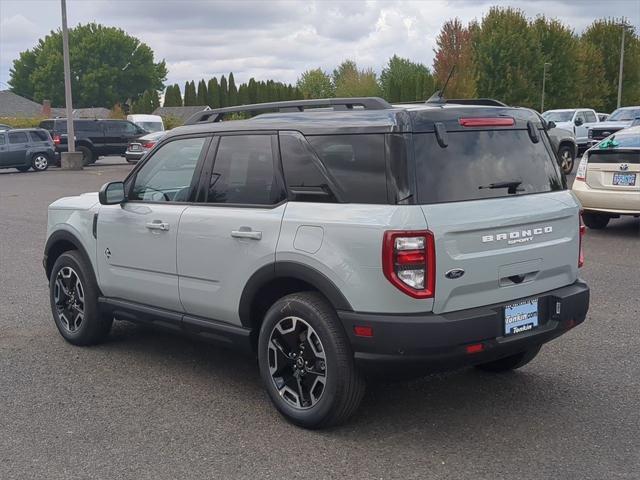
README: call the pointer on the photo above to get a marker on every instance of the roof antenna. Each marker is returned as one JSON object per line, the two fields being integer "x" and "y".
{"x": 438, "y": 96}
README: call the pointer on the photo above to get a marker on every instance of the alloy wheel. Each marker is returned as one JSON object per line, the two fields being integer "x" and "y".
{"x": 297, "y": 362}
{"x": 566, "y": 160}
{"x": 68, "y": 295}
{"x": 40, "y": 162}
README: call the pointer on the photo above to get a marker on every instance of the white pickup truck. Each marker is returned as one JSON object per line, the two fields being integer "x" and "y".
{"x": 575, "y": 120}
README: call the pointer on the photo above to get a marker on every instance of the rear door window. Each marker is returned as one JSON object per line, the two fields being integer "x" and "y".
{"x": 18, "y": 137}
{"x": 474, "y": 161}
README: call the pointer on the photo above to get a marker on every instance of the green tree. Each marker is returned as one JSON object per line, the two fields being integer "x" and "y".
{"x": 454, "y": 49}
{"x": 403, "y": 80}
{"x": 351, "y": 82}
{"x": 605, "y": 37}
{"x": 190, "y": 95}
{"x": 107, "y": 66}
{"x": 252, "y": 90}
{"x": 224, "y": 92}
{"x": 233, "y": 91}
{"x": 591, "y": 85}
{"x": 201, "y": 96}
{"x": 172, "y": 97}
{"x": 213, "y": 93}
{"x": 507, "y": 58}
{"x": 315, "y": 84}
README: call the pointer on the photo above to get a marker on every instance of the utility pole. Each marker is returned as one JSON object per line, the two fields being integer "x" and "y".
{"x": 544, "y": 81}
{"x": 71, "y": 138}
{"x": 624, "y": 29}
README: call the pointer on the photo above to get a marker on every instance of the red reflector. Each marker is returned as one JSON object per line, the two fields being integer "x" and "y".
{"x": 361, "y": 331}
{"x": 475, "y": 348}
{"x": 56, "y": 139}
{"x": 408, "y": 257}
{"x": 487, "y": 122}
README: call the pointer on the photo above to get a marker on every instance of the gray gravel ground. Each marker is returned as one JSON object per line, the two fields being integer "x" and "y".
{"x": 149, "y": 405}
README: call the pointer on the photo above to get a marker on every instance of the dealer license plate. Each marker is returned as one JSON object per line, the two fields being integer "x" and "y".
{"x": 624, "y": 179}
{"x": 521, "y": 317}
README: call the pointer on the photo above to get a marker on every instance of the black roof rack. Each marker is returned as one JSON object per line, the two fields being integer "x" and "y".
{"x": 217, "y": 114}
{"x": 489, "y": 102}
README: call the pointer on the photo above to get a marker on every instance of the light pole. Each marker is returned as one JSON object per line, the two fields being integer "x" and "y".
{"x": 624, "y": 29}
{"x": 544, "y": 81}
{"x": 71, "y": 139}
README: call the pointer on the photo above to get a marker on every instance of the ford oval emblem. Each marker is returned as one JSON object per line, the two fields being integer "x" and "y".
{"x": 454, "y": 273}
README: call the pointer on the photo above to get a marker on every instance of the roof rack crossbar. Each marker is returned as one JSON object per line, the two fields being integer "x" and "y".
{"x": 489, "y": 102}
{"x": 216, "y": 115}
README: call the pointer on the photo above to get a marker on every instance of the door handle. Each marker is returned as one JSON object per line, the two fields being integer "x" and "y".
{"x": 156, "y": 225}
{"x": 246, "y": 233}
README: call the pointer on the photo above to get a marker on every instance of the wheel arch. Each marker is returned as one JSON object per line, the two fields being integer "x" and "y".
{"x": 277, "y": 279}
{"x": 58, "y": 243}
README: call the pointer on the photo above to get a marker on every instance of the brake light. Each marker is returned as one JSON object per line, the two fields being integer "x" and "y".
{"x": 409, "y": 262}
{"x": 487, "y": 122}
{"x": 581, "y": 229}
{"x": 56, "y": 139}
{"x": 148, "y": 145}
{"x": 581, "y": 173}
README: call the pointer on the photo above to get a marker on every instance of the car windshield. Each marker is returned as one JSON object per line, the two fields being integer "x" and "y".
{"x": 151, "y": 126}
{"x": 558, "y": 116}
{"x": 624, "y": 114}
{"x": 627, "y": 139}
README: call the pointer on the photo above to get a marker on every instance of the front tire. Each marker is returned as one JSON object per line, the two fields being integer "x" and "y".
{"x": 306, "y": 362}
{"x": 74, "y": 301}
{"x": 596, "y": 221}
{"x": 512, "y": 362}
{"x": 39, "y": 162}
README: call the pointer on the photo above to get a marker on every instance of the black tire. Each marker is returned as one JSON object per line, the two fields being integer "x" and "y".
{"x": 93, "y": 327}
{"x": 566, "y": 156}
{"x": 23, "y": 169}
{"x": 597, "y": 221}
{"x": 40, "y": 162}
{"x": 88, "y": 157}
{"x": 512, "y": 362}
{"x": 343, "y": 385}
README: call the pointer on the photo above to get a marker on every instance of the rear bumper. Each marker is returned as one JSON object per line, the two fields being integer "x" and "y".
{"x": 133, "y": 156}
{"x": 438, "y": 342}
{"x": 621, "y": 202}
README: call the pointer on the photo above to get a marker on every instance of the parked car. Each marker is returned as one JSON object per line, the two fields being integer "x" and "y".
{"x": 608, "y": 179}
{"x": 139, "y": 147}
{"x": 564, "y": 144}
{"x": 573, "y": 119}
{"x": 94, "y": 138}
{"x": 4, "y": 127}
{"x": 602, "y": 117}
{"x": 25, "y": 148}
{"x": 619, "y": 119}
{"x": 332, "y": 243}
{"x": 150, "y": 123}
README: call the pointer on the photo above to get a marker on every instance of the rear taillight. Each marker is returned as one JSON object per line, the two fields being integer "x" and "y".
{"x": 148, "y": 145}
{"x": 487, "y": 122}
{"x": 56, "y": 139}
{"x": 409, "y": 262}
{"x": 582, "y": 230}
{"x": 581, "y": 173}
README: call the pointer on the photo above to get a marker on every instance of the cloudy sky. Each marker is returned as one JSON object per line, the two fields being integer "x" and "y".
{"x": 277, "y": 39}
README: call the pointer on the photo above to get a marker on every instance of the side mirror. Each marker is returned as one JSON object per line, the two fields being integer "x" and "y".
{"x": 112, "y": 193}
{"x": 551, "y": 124}
{"x": 578, "y": 122}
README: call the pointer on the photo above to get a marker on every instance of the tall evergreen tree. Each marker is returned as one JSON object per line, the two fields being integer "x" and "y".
{"x": 190, "y": 95}
{"x": 213, "y": 93}
{"x": 201, "y": 96}
{"x": 224, "y": 92}
{"x": 252, "y": 90}
{"x": 233, "y": 91}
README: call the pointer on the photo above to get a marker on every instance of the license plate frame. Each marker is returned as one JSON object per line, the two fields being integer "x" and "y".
{"x": 522, "y": 316}
{"x": 631, "y": 182}
{"x": 135, "y": 147}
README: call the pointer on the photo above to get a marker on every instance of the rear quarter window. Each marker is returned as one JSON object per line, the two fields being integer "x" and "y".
{"x": 473, "y": 160}
{"x": 39, "y": 136}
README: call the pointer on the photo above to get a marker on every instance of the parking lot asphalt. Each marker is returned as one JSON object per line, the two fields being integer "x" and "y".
{"x": 150, "y": 405}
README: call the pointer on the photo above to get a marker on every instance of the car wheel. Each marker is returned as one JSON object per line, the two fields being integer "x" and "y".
{"x": 567, "y": 159}
{"x": 306, "y": 362}
{"x": 22, "y": 169}
{"x": 74, "y": 301}
{"x": 39, "y": 162}
{"x": 597, "y": 221}
{"x": 87, "y": 155}
{"x": 512, "y": 362}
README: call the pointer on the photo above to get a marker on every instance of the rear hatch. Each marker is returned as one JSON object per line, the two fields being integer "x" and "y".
{"x": 614, "y": 169}
{"x": 497, "y": 204}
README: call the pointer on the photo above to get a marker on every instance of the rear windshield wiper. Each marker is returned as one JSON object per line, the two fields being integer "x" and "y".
{"x": 512, "y": 185}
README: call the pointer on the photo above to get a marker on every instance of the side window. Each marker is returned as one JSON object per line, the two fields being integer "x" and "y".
{"x": 129, "y": 128}
{"x": 18, "y": 137}
{"x": 2, "y": 139}
{"x": 356, "y": 163}
{"x": 303, "y": 173}
{"x": 243, "y": 172}
{"x": 167, "y": 175}
{"x": 590, "y": 116}
{"x": 580, "y": 115}
{"x": 38, "y": 136}
{"x": 118, "y": 128}
{"x": 89, "y": 127}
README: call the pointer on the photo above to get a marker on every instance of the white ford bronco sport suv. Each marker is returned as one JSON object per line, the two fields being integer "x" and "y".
{"x": 332, "y": 242}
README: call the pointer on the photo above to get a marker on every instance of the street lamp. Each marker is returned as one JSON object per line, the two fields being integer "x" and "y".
{"x": 544, "y": 80}
{"x": 624, "y": 29}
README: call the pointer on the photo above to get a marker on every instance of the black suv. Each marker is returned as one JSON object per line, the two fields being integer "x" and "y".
{"x": 94, "y": 138}
{"x": 25, "y": 148}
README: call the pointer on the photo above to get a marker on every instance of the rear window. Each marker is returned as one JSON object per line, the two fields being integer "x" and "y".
{"x": 47, "y": 124}
{"x": 39, "y": 135}
{"x": 474, "y": 160}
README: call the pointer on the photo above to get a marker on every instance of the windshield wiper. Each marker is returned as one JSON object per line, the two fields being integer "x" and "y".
{"x": 512, "y": 185}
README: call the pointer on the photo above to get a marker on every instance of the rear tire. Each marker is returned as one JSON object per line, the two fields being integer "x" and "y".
{"x": 88, "y": 156}
{"x": 567, "y": 158}
{"x": 512, "y": 362}
{"x": 597, "y": 221}
{"x": 40, "y": 162}
{"x": 73, "y": 294}
{"x": 306, "y": 362}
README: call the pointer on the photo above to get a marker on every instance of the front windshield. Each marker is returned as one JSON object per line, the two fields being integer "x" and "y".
{"x": 558, "y": 116}
{"x": 151, "y": 126}
{"x": 624, "y": 114}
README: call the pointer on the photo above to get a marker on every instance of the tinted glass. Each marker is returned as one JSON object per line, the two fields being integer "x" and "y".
{"x": 590, "y": 116}
{"x": 18, "y": 137}
{"x": 89, "y": 127}
{"x": 2, "y": 141}
{"x": 243, "y": 172}
{"x": 39, "y": 136}
{"x": 624, "y": 114}
{"x": 581, "y": 116}
{"x": 167, "y": 175}
{"x": 356, "y": 163}
{"x": 558, "y": 116}
{"x": 120, "y": 128}
{"x": 47, "y": 124}
{"x": 474, "y": 160}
